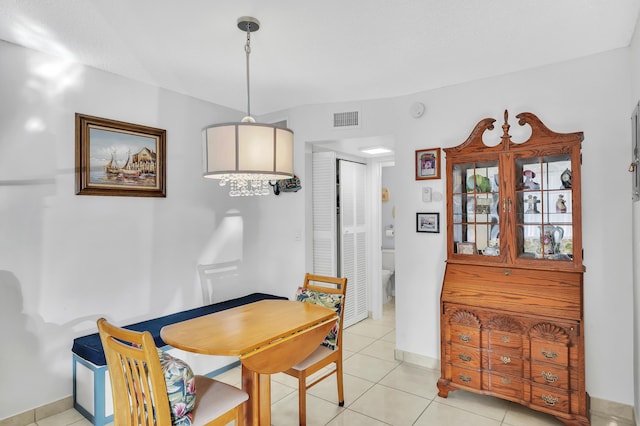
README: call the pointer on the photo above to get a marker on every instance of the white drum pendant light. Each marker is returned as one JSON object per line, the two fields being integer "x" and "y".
{"x": 247, "y": 155}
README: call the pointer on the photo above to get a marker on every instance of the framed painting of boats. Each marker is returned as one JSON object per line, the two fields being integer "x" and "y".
{"x": 118, "y": 158}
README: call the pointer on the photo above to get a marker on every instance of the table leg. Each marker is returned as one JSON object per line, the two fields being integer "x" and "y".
{"x": 258, "y": 386}
{"x": 265, "y": 399}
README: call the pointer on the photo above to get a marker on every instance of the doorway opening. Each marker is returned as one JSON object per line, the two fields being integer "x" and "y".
{"x": 377, "y": 236}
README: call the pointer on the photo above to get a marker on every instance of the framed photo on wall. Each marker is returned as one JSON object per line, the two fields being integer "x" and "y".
{"x": 428, "y": 164}
{"x": 117, "y": 158}
{"x": 428, "y": 222}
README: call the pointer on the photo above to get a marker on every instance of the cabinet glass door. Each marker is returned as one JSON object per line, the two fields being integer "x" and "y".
{"x": 476, "y": 223}
{"x": 543, "y": 203}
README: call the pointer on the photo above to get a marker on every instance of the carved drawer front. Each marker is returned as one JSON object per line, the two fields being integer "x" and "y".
{"x": 548, "y": 351}
{"x": 505, "y": 339}
{"x": 466, "y": 377}
{"x": 505, "y": 361}
{"x": 550, "y": 375}
{"x": 503, "y": 384}
{"x": 465, "y": 356}
{"x": 554, "y": 399}
{"x": 463, "y": 335}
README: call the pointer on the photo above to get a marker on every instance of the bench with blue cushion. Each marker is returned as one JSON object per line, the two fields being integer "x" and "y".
{"x": 90, "y": 365}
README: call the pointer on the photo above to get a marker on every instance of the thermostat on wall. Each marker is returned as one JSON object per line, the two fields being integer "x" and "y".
{"x": 426, "y": 194}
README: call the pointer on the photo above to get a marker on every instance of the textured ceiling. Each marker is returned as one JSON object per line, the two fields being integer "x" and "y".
{"x": 310, "y": 52}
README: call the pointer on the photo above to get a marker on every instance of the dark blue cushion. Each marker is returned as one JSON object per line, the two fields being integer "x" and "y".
{"x": 90, "y": 347}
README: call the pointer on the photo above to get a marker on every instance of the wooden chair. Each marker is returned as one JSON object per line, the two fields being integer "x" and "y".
{"x": 140, "y": 391}
{"x": 323, "y": 356}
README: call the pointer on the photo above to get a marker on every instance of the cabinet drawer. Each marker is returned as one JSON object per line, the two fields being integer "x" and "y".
{"x": 557, "y": 353}
{"x": 504, "y": 361}
{"x": 466, "y": 377}
{"x": 503, "y": 384}
{"x": 505, "y": 339}
{"x": 550, "y": 375}
{"x": 554, "y": 399}
{"x": 465, "y": 356}
{"x": 465, "y": 335}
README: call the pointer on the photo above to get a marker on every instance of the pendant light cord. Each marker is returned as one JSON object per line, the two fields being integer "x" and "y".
{"x": 247, "y": 49}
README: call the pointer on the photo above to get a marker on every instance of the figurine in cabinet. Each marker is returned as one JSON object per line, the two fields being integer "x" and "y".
{"x": 565, "y": 177}
{"x": 528, "y": 180}
{"x": 561, "y": 204}
{"x": 532, "y": 204}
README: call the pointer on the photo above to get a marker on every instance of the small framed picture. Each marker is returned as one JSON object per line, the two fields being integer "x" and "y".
{"x": 466, "y": 248}
{"x": 428, "y": 164}
{"x": 428, "y": 222}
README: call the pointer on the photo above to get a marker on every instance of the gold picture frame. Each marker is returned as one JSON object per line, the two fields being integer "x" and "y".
{"x": 466, "y": 248}
{"x": 427, "y": 162}
{"x": 115, "y": 158}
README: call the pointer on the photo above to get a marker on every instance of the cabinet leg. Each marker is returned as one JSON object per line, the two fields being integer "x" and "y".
{"x": 443, "y": 388}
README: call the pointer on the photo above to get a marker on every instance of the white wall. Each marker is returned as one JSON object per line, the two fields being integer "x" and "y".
{"x": 387, "y": 209}
{"x": 66, "y": 260}
{"x": 635, "y": 84}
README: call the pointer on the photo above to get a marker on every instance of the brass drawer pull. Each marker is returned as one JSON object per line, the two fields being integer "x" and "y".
{"x": 505, "y": 380}
{"x": 507, "y": 272}
{"x": 549, "y": 399}
{"x": 466, "y": 379}
{"x": 505, "y": 359}
{"x": 505, "y": 339}
{"x": 464, "y": 338}
{"x": 549, "y": 377}
{"x": 464, "y": 357}
{"x": 549, "y": 354}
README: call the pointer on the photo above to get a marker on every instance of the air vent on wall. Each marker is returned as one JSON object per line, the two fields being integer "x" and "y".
{"x": 349, "y": 119}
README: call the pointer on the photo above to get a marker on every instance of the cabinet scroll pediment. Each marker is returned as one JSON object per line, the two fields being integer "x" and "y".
{"x": 539, "y": 132}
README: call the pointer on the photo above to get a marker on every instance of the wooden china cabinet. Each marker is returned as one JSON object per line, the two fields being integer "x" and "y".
{"x": 511, "y": 305}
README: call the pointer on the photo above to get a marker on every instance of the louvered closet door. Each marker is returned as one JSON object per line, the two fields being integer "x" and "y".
{"x": 325, "y": 226}
{"x": 339, "y": 239}
{"x": 353, "y": 239}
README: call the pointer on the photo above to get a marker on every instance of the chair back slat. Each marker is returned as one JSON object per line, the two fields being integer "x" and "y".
{"x": 136, "y": 377}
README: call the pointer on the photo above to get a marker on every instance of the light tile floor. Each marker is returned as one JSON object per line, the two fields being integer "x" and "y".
{"x": 380, "y": 391}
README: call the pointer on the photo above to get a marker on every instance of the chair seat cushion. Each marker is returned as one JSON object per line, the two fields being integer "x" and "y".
{"x": 328, "y": 300}
{"x": 214, "y": 399}
{"x": 181, "y": 388}
{"x": 320, "y": 353}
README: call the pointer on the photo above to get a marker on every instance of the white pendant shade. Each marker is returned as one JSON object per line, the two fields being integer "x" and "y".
{"x": 247, "y": 156}
{"x": 248, "y": 148}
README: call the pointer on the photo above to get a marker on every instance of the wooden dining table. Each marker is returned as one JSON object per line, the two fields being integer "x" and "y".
{"x": 268, "y": 336}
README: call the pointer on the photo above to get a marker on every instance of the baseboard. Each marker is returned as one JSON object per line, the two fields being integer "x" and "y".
{"x": 39, "y": 413}
{"x": 622, "y": 413}
{"x": 419, "y": 360}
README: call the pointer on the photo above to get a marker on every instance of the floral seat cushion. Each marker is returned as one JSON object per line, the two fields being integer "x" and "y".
{"x": 181, "y": 388}
{"x": 328, "y": 300}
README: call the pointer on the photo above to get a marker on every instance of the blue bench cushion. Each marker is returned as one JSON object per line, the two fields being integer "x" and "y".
{"x": 90, "y": 347}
